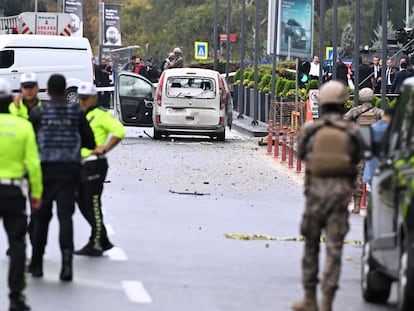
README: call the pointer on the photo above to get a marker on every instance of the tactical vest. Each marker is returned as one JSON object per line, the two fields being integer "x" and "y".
{"x": 59, "y": 137}
{"x": 366, "y": 116}
{"x": 331, "y": 152}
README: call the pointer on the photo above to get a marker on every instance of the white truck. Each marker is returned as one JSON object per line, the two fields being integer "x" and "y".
{"x": 40, "y": 23}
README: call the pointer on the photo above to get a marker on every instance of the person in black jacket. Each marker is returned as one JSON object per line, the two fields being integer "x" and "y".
{"x": 366, "y": 78}
{"x": 61, "y": 130}
{"x": 149, "y": 71}
{"x": 341, "y": 71}
{"x": 399, "y": 78}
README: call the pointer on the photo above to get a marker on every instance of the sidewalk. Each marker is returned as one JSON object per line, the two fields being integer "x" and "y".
{"x": 245, "y": 126}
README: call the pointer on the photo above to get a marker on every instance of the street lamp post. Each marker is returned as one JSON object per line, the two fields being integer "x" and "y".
{"x": 335, "y": 38}
{"x": 228, "y": 39}
{"x": 215, "y": 45}
{"x": 384, "y": 52}
{"x": 241, "y": 86}
{"x": 321, "y": 38}
{"x": 356, "y": 50}
{"x": 256, "y": 65}
{"x": 407, "y": 12}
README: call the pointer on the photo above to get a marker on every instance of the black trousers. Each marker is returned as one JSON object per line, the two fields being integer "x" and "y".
{"x": 13, "y": 212}
{"x": 60, "y": 183}
{"x": 90, "y": 191}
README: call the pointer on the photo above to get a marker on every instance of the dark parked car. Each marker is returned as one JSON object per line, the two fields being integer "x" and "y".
{"x": 134, "y": 99}
{"x": 297, "y": 33}
{"x": 388, "y": 254}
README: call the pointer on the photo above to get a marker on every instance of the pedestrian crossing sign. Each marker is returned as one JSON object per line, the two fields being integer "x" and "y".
{"x": 200, "y": 50}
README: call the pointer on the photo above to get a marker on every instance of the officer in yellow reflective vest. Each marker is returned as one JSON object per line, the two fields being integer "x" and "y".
{"x": 28, "y": 99}
{"x": 18, "y": 153}
{"x": 108, "y": 132}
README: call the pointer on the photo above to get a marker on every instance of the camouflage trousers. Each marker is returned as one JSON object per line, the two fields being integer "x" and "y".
{"x": 326, "y": 208}
{"x": 359, "y": 180}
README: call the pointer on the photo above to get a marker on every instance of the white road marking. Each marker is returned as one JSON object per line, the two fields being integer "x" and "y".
{"x": 136, "y": 292}
{"x": 117, "y": 254}
{"x": 109, "y": 229}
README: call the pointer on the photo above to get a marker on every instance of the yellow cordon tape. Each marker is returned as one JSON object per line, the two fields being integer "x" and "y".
{"x": 249, "y": 237}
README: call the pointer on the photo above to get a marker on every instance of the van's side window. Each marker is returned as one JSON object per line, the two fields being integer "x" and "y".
{"x": 6, "y": 58}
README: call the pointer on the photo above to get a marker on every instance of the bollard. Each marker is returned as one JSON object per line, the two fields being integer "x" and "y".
{"x": 277, "y": 134}
{"x": 298, "y": 165}
{"x": 270, "y": 137}
{"x": 284, "y": 143}
{"x": 291, "y": 150}
{"x": 364, "y": 196}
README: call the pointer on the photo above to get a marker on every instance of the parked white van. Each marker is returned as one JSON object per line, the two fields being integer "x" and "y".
{"x": 190, "y": 101}
{"x": 46, "y": 55}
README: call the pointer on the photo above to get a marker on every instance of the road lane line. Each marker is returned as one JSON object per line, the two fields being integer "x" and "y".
{"x": 109, "y": 229}
{"x": 136, "y": 292}
{"x": 117, "y": 254}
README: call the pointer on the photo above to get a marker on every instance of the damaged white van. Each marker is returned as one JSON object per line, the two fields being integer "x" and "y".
{"x": 191, "y": 101}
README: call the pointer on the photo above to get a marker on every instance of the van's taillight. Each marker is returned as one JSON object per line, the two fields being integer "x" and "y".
{"x": 221, "y": 122}
{"x": 223, "y": 95}
{"x": 160, "y": 86}
{"x": 158, "y": 118}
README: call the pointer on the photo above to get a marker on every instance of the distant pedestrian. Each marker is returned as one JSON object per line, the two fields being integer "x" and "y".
{"x": 365, "y": 114}
{"x": 376, "y": 67}
{"x": 315, "y": 68}
{"x": 106, "y": 73}
{"x": 379, "y": 130}
{"x": 130, "y": 66}
{"x": 61, "y": 130}
{"x": 341, "y": 71}
{"x": 166, "y": 62}
{"x": 178, "y": 61}
{"x": 399, "y": 78}
{"x": 366, "y": 75}
{"x": 149, "y": 71}
{"x": 390, "y": 74}
{"x": 331, "y": 148}
{"x": 108, "y": 132}
{"x": 138, "y": 65}
{"x": 18, "y": 153}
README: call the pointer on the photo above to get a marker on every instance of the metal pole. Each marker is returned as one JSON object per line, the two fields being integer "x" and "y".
{"x": 356, "y": 50}
{"x": 384, "y": 52}
{"x": 274, "y": 60}
{"x": 101, "y": 21}
{"x": 215, "y": 45}
{"x": 228, "y": 39}
{"x": 321, "y": 39}
{"x": 335, "y": 38}
{"x": 407, "y": 12}
{"x": 36, "y": 6}
{"x": 243, "y": 34}
{"x": 256, "y": 65}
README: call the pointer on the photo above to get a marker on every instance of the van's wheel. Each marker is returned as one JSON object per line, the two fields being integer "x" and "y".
{"x": 405, "y": 283}
{"x": 221, "y": 136}
{"x": 72, "y": 96}
{"x": 157, "y": 134}
{"x": 375, "y": 286}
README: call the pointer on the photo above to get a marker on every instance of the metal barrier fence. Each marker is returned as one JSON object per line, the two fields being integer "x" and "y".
{"x": 291, "y": 114}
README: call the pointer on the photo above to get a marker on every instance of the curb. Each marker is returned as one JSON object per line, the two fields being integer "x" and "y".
{"x": 245, "y": 126}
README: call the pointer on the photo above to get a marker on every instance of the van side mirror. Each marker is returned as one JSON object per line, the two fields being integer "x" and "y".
{"x": 365, "y": 133}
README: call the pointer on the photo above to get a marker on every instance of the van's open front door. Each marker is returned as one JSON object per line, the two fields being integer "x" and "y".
{"x": 134, "y": 97}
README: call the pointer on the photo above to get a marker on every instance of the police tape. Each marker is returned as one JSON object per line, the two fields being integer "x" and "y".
{"x": 250, "y": 237}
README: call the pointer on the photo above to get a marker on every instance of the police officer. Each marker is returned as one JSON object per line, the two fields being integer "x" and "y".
{"x": 29, "y": 89}
{"x": 95, "y": 167}
{"x": 332, "y": 148}
{"x": 61, "y": 130}
{"x": 18, "y": 153}
{"x": 364, "y": 114}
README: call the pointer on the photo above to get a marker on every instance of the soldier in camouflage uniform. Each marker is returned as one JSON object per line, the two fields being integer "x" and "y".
{"x": 332, "y": 148}
{"x": 365, "y": 114}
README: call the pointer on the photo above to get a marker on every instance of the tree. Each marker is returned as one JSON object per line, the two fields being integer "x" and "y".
{"x": 347, "y": 42}
{"x": 376, "y": 43}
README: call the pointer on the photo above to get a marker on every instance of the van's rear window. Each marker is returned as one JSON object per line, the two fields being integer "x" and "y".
{"x": 191, "y": 87}
{"x": 6, "y": 58}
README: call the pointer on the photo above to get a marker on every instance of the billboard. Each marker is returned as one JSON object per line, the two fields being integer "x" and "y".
{"x": 294, "y": 29}
{"x": 112, "y": 24}
{"x": 74, "y": 8}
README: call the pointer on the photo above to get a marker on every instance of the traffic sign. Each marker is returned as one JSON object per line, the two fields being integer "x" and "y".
{"x": 329, "y": 53}
{"x": 200, "y": 50}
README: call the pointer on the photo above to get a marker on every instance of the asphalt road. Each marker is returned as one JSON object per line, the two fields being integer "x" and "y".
{"x": 168, "y": 205}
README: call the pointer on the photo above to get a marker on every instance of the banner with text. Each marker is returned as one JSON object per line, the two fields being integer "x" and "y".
{"x": 112, "y": 24}
{"x": 74, "y": 8}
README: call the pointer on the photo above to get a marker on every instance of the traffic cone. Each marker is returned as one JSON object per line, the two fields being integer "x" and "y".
{"x": 309, "y": 114}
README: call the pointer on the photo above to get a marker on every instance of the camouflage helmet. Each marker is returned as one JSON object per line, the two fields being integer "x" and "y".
{"x": 333, "y": 92}
{"x": 177, "y": 51}
{"x": 366, "y": 95}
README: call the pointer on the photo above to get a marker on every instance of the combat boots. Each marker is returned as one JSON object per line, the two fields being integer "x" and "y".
{"x": 308, "y": 303}
{"x": 66, "y": 273}
{"x": 36, "y": 266}
{"x": 18, "y": 304}
{"x": 357, "y": 205}
{"x": 326, "y": 304}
